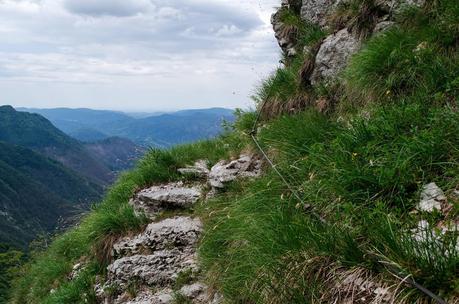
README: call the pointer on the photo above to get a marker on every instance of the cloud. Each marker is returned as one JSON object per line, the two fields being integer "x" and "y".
{"x": 137, "y": 48}
{"x": 118, "y": 8}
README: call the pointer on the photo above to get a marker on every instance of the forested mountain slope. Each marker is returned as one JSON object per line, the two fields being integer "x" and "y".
{"x": 37, "y": 194}
{"x": 37, "y": 133}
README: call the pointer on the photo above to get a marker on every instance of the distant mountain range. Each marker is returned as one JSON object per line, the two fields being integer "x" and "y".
{"x": 48, "y": 177}
{"x": 54, "y": 163}
{"x": 158, "y": 130}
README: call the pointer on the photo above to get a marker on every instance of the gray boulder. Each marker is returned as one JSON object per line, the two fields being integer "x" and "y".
{"x": 165, "y": 197}
{"x": 178, "y": 232}
{"x": 333, "y": 55}
{"x": 164, "y": 296}
{"x": 198, "y": 169}
{"x": 224, "y": 171}
{"x": 158, "y": 269}
{"x": 198, "y": 293}
{"x": 432, "y": 198}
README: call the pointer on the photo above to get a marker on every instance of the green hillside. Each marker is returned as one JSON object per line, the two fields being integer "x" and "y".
{"x": 37, "y": 133}
{"x": 36, "y": 192}
{"x": 354, "y": 153}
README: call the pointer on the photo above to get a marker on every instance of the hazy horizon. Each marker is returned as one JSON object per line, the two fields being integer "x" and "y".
{"x": 128, "y": 111}
{"x": 136, "y": 55}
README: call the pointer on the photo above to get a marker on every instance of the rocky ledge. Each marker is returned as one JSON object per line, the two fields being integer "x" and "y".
{"x": 146, "y": 268}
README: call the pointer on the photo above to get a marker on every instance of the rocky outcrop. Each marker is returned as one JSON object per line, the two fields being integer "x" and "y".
{"x": 199, "y": 169}
{"x": 286, "y": 35}
{"x": 171, "y": 196}
{"x": 432, "y": 198}
{"x": 178, "y": 232}
{"x": 152, "y": 261}
{"x": 315, "y": 11}
{"x": 435, "y": 239}
{"x": 157, "y": 269}
{"x": 224, "y": 171}
{"x": 333, "y": 55}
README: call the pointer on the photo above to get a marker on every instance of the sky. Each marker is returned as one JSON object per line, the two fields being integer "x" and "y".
{"x": 134, "y": 55}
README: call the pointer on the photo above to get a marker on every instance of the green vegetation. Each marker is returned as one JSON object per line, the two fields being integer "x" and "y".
{"x": 359, "y": 177}
{"x": 417, "y": 59}
{"x": 362, "y": 174}
{"x": 36, "y": 193}
{"x": 92, "y": 239}
{"x": 359, "y": 16}
{"x": 363, "y": 178}
{"x": 10, "y": 260}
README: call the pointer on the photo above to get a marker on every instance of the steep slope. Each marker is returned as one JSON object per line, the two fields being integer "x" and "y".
{"x": 359, "y": 195}
{"x": 37, "y": 133}
{"x": 117, "y": 153}
{"x": 87, "y": 135}
{"x": 36, "y": 194}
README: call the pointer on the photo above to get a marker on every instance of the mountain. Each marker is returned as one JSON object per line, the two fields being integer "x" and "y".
{"x": 35, "y": 132}
{"x": 88, "y": 135}
{"x": 158, "y": 130}
{"x": 117, "y": 153}
{"x": 37, "y": 193}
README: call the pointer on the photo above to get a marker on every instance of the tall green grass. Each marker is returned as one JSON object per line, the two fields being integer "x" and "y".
{"x": 416, "y": 58}
{"x": 90, "y": 241}
{"x": 262, "y": 246}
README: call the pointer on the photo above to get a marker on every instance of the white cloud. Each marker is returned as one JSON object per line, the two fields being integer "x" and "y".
{"x": 129, "y": 47}
{"x": 118, "y": 8}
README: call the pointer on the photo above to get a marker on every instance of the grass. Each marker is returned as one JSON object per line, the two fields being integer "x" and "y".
{"x": 416, "y": 59}
{"x": 362, "y": 175}
{"x": 262, "y": 246}
{"x": 92, "y": 239}
{"x": 283, "y": 92}
{"x": 359, "y": 16}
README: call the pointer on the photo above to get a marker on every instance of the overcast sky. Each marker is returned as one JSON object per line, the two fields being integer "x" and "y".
{"x": 135, "y": 55}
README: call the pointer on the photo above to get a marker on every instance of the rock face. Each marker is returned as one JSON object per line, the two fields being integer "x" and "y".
{"x": 333, "y": 55}
{"x": 315, "y": 11}
{"x": 286, "y": 35}
{"x": 224, "y": 172}
{"x": 165, "y": 197}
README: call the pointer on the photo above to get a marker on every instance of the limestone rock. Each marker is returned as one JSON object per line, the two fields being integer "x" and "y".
{"x": 198, "y": 293}
{"x": 165, "y": 197}
{"x": 76, "y": 270}
{"x": 286, "y": 36}
{"x": 158, "y": 269}
{"x": 147, "y": 297}
{"x": 198, "y": 169}
{"x": 432, "y": 198}
{"x": 224, "y": 172}
{"x": 315, "y": 11}
{"x": 333, "y": 55}
{"x": 178, "y": 232}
